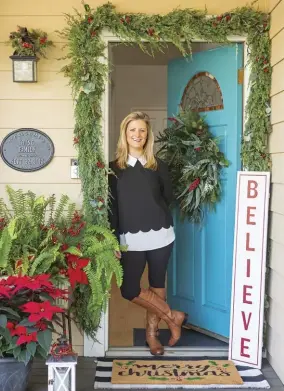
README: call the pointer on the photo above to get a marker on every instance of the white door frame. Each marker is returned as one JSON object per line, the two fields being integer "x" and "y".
{"x": 101, "y": 346}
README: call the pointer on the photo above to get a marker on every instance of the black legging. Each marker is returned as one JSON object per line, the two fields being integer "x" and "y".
{"x": 133, "y": 264}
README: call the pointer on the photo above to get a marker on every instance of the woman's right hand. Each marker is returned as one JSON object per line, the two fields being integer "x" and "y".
{"x": 117, "y": 254}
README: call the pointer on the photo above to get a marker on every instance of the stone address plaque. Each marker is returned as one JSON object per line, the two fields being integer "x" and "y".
{"x": 27, "y": 149}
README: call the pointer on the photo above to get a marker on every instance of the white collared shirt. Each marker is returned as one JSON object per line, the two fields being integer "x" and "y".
{"x": 133, "y": 160}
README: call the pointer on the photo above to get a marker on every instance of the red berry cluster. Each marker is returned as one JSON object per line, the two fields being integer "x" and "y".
{"x": 3, "y": 223}
{"x": 76, "y": 140}
{"x": 194, "y": 184}
{"x": 77, "y": 225}
{"x": 125, "y": 20}
{"x": 42, "y": 40}
{"x": 221, "y": 18}
{"x": 264, "y": 62}
{"x": 100, "y": 165}
{"x": 27, "y": 45}
{"x": 151, "y": 32}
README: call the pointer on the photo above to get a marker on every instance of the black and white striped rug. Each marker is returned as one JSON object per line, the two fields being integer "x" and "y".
{"x": 252, "y": 378}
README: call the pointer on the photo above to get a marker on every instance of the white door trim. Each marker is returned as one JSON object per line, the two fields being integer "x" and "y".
{"x": 101, "y": 346}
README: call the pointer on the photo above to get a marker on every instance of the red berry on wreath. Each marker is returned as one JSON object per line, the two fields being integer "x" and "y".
{"x": 76, "y": 140}
{"x": 151, "y": 32}
{"x": 219, "y": 18}
{"x": 197, "y": 149}
{"x": 43, "y": 40}
{"x": 93, "y": 33}
{"x": 228, "y": 18}
{"x": 127, "y": 19}
{"x": 266, "y": 69}
{"x": 90, "y": 19}
{"x": 214, "y": 24}
{"x": 194, "y": 184}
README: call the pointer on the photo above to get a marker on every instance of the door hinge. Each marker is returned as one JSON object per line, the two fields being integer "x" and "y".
{"x": 241, "y": 73}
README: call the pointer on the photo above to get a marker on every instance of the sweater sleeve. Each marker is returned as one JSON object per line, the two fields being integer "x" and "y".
{"x": 165, "y": 182}
{"x": 113, "y": 203}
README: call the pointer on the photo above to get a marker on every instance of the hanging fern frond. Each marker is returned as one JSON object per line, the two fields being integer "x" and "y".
{"x": 63, "y": 202}
{"x": 6, "y": 241}
{"x": 44, "y": 261}
{"x": 70, "y": 213}
{"x": 52, "y": 202}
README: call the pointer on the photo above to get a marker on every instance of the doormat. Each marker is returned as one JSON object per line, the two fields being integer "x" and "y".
{"x": 188, "y": 337}
{"x": 175, "y": 373}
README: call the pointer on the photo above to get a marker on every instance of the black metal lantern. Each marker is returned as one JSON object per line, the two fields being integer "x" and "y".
{"x": 24, "y": 69}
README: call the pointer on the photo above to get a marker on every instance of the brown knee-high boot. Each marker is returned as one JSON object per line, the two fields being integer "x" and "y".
{"x": 174, "y": 319}
{"x": 156, "y": 348}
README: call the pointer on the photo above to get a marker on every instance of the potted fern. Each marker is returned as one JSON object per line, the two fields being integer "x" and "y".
{"x": 41, "y": 235}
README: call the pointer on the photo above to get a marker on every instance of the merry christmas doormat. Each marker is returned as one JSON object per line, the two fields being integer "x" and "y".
{"x": 169, "y": 373}
{"x": 174, "y": 372}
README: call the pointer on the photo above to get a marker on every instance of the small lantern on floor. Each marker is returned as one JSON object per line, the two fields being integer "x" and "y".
{"x": 24, "y": 69}
{"x": 62, "y": 367}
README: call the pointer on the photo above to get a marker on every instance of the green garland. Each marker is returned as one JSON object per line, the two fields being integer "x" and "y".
{"x": 195, "y": 163}
{"x": 88, "y": 74}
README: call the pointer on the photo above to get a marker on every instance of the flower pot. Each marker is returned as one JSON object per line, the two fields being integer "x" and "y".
{"x": 14, "y": 375}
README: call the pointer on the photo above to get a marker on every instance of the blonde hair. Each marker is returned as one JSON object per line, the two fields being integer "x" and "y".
{"x": 122, "y": 146}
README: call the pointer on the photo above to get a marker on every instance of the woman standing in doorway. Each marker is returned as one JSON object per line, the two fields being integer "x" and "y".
{"x": 141, "y": 193}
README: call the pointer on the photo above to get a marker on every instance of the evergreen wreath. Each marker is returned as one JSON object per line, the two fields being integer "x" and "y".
{"x": 87, "y": 74}
{"x": 195, "y": 163}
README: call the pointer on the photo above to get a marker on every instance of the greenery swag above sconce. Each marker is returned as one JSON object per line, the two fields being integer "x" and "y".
{"x": 27, "y": 45}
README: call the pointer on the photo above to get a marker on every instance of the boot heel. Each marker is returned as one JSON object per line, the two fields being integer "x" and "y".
{"x": 185, "y": 321}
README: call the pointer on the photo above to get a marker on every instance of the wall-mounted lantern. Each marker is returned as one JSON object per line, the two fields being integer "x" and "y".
{"x": 24, "y": 69}
{"x": 27, "y": 45}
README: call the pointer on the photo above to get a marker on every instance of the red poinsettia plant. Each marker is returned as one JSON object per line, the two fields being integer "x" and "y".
{"x": 46, "y": 236}
{"x": 27, "y": 315}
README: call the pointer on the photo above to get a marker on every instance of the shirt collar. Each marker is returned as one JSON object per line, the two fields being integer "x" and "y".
{"x": 132, "y": 160}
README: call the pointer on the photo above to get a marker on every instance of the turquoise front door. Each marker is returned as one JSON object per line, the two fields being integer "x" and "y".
{"x": 200, "y": 272}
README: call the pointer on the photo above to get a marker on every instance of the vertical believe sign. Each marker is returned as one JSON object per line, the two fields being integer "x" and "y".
{"x": 248, "y": 285}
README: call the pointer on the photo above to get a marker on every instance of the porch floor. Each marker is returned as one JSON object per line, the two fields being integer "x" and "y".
{"x": 86, "y": 374}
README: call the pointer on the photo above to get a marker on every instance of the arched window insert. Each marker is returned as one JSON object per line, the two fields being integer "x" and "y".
{"x": 202, "y": 93}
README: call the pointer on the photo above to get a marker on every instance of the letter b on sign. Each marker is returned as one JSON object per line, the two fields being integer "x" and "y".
{"x": 252, "y": 192}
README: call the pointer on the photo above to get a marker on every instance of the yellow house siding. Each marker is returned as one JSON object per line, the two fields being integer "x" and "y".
{"x": 272, "y": 4}
{"x": 56, "y": 8}
{"x": 276, "y": 145}
{"x": 46, "y": 105}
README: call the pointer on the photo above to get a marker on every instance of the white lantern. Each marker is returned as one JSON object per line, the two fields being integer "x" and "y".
{"x": 62, "y": 373}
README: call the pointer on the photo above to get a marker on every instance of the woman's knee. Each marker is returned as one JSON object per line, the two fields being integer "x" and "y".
{"x": 129, "y": 293}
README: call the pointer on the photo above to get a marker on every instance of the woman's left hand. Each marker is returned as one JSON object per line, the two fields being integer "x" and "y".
{"x": 117, "y": 254}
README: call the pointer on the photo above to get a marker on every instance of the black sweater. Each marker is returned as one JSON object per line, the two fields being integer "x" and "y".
{"x": 140, "y": 198}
